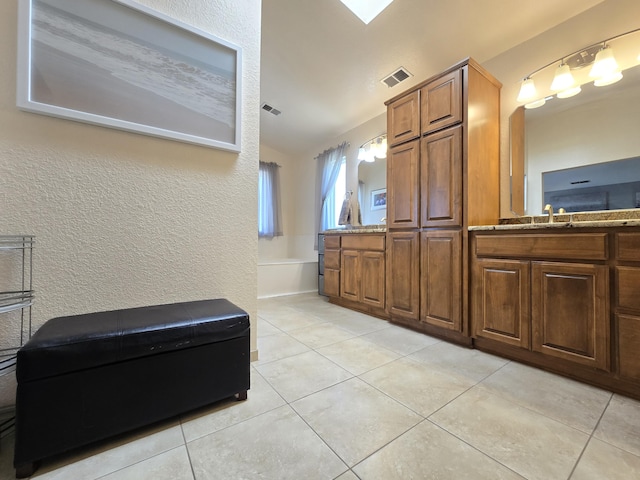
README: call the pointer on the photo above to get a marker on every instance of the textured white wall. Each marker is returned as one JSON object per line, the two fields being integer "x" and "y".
{"x": 125, "y": 220}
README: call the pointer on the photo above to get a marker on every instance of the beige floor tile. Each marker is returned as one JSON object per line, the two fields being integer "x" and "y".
{"x": 531, "y": 444}
{"x": 300, "y": 375}
{"x": 357, "y": 355}
{"x": 348, "y": 476}
{"x": 275, "y": 445}
{"x": 265, "y": 328}
{"x": 572, "y": 403}
{"x": 459, "y": 361}
{"x": 620, "y": 424}
{"x": 318, "y": 336}
{"x": 290, "y": 319}
{"x": 108, "y": 457}
{"x": 603, "y": 461}
{"x": 401, "y": 340}
{"x": 355, "y": 419}
{"x": 357, "y": 323}
{"x": 275, "y": 347}
{"x": 171, "y": 465}
{"x": 261, "y": 398}
{"x": 416, "y": 385}
{"x": 428, "y": 452}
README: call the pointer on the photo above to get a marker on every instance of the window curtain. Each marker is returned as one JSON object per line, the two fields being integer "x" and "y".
{"x": 329, "y": 163}
{"x": 269, "y": 216}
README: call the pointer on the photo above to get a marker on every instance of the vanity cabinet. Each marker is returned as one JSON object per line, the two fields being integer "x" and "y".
{"x": 354, "y": 271}
{"x": 525, "y": 293}
{"x": 332, "y": 265}
{"x": 363, "y": 269}
{"x": 404, "y": 119}
{"x": 627, "y": 304}
{"x": 437, "y": 185}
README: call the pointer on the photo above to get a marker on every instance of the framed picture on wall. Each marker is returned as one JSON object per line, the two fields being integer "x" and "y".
{"x": 379, "y": 199}
{"x": 120, "y": 64}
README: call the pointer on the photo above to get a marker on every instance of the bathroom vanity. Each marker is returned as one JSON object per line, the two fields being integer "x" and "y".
{"x": 563, "y": 296}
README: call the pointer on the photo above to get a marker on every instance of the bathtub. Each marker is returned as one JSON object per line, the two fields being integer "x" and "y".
{"x": 286, "y": 276}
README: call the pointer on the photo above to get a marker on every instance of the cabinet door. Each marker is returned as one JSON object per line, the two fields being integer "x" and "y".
{"x": 403, "y": 186}
{"x": 403, "y": 119}
{"x": 441, "y": 279}
{"x": 350, "y": 271}
{"x": 403, "y": 297}
{"x": 442, "y": 102}
{"x": 372, "y": 278}
{"x": 570, "y": 312}
{"x": 441, "y": 178}
{"x": 331, "y": 282}
{"x": 628, "y": 330}
{"x": 500, "y": 292}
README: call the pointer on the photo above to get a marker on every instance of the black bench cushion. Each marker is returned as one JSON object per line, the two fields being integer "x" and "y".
{"x": 67, "y": 344}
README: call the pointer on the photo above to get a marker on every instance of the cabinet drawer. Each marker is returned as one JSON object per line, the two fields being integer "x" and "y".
{"x": 578, "y": 246}
{"x": 628, "y": 246}
{"x": 331, "y": 260}
{"x": 628, "y": 287}
{"x": 363, "y": 242}
{"x": 332, "y": 241}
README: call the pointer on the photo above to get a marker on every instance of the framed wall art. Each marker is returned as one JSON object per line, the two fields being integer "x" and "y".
{"x": 123, "y": 65}
{"x": 379, "y": 199}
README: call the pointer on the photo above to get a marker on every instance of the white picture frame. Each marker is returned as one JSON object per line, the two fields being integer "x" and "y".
{"x": 120, "y": 64}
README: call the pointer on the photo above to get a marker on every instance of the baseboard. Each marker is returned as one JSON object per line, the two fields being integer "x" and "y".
{"x": 254, "y": 356}
{"x": 287, "y": 294}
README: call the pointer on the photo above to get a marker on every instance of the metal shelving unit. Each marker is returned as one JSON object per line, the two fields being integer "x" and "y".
{"x": 16, "y": 255}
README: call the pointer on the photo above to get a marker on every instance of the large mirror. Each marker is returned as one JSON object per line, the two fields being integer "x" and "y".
{"x": 579, "y": 153}
{"x": 372, "y": 191}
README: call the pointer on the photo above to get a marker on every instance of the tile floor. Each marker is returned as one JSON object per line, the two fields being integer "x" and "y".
{"x": 340, "y": 395}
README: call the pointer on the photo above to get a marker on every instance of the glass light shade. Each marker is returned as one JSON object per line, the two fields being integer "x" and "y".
{"x": 362, "y": 154}
{"x": 536, "y": 104}
{"x": 605, "y": 64}
{"x": 563, "y": 79}
{"x": 608, "y": 80}
{"x": 527, "y": 90}
{"x": 569, "y": 92}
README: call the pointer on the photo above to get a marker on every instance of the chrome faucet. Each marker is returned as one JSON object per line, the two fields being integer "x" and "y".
{"x": 549, "y": 208}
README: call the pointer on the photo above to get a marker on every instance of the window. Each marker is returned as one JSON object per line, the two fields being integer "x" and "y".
{"x": 269, "y": 222}
{"x": 330, "y": 191}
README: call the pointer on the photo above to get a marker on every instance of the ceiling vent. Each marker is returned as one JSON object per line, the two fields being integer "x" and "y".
{"x": 396, "y": 77}
{"x": 268, "y": 108}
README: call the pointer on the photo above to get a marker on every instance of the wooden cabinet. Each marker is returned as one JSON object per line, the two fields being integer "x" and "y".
{"x": 570, "y": 312}
{"x": 403, "y": 187}
{"x": 354, "y": 271}
{"x": 627, "y": 305}
{"x": 441, "y": 178}
{"x": 403, "y": 274}
{"x": 559, "y": 309}
{"x": 441, "y": 102}
{"x": 403, "y": 119}
{"x": 332, "y": 265}
{"x": 500, "y": 295}
{"x": 436, "y": 186}
{"x": 441, "y": 279}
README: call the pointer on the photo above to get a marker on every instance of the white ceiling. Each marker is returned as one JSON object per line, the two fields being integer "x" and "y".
{"x": 321, "y": 66}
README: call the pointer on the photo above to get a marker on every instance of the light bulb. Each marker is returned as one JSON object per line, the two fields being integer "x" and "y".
{"x": 569, "y": 92}
{"x": 608, "y": 80}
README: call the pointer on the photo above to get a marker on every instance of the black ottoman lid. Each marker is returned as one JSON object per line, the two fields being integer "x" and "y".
{"x": 67, "y": 344}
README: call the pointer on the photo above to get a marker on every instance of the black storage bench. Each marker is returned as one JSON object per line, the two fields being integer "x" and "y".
{"x": 87, "y": 377}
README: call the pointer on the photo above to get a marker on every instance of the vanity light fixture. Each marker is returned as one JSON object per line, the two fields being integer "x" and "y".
{"x": 374, "y": 148}
{"x": 604, "y": 71}
{"x": 605, "y": 68}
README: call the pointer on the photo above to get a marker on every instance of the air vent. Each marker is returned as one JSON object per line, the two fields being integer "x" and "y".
{"x": 268, "y": 108}
{"x": 396, "y": 77}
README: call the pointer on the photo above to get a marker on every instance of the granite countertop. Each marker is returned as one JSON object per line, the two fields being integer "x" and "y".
{"x": 358, "y": 229}
{"x": 606, "y": 218}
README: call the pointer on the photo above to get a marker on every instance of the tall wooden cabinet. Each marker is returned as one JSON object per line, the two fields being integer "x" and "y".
{"x": 441, "y": 177}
